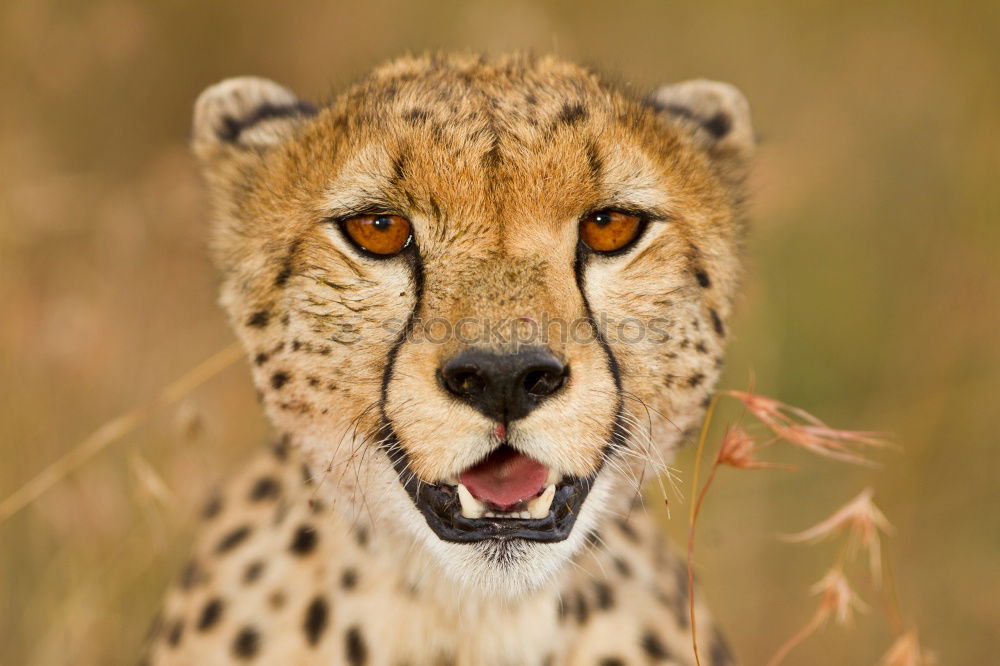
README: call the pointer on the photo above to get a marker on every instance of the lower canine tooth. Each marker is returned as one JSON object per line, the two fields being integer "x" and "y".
{"x": 471, "y": 507}
{"x": 538, "y": 508}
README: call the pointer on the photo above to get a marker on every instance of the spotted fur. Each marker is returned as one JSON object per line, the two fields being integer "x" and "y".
{"x": 315, "y": 554}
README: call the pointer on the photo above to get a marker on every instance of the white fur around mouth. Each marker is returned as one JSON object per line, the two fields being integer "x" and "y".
{"x": 535, "y": 509}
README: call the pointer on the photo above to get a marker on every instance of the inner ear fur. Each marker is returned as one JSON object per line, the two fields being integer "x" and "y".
{"x": 245, "y": 113}
{"x": 717, "y": 112}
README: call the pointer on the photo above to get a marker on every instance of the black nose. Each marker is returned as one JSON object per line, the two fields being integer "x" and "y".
{"x": 504, "y": 387}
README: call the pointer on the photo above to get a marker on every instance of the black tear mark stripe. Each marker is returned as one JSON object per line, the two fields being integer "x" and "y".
{"x": 232, "y": 127}
{"x": 619, "y": 431}
{"x": 417, "y": 272}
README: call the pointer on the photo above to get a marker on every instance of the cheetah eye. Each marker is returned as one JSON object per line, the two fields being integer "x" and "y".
{"x": 381, "y": 235}
{"x": 609, "y": 230}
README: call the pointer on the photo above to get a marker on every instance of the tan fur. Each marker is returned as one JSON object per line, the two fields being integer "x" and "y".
{"x": 494, "y": 163}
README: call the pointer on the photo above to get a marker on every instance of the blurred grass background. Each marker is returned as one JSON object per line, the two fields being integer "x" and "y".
{"x": 873, "y": 295}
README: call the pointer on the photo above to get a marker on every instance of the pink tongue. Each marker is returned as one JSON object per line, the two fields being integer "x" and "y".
{"x": 505, "y": 478}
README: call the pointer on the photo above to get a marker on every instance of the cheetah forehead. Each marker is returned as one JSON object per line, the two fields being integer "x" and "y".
{"x": 474, "y": 122}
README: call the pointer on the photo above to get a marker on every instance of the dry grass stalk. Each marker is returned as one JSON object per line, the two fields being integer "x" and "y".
{"x": 115, "y": 429}
{"x": 860, "y": 517}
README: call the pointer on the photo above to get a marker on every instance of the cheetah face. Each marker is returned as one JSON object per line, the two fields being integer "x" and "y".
{"x": 485, "y": 299}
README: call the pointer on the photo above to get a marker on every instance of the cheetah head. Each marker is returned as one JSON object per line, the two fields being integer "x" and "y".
{"x": 484, "y": 298}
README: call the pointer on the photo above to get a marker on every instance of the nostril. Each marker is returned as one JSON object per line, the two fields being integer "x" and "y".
{"x": 464, "y": 382}
{"x": 543, "y": 382}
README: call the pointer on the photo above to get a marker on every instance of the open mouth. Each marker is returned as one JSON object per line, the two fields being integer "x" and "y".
{"x": 508, "y": 495}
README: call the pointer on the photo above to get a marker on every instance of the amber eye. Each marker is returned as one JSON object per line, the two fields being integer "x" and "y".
{"x": 379, "y": 234}
{"x": 609, "y": 230}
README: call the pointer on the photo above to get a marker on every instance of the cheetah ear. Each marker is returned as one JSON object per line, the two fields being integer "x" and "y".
{"x": 245, "y": 113}
{"x": 717, "y": 111}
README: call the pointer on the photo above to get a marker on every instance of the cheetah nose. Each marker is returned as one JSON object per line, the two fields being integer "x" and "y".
{"x": 504, "y": 387}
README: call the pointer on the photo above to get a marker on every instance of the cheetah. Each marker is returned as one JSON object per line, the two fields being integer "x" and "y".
{"x": 482, "y": 300}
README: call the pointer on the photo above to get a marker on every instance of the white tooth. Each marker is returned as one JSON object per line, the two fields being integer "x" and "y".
{"x": 471, "y": 507}
{"x": 538, "y": 508}
{"x": 524, "y": 515}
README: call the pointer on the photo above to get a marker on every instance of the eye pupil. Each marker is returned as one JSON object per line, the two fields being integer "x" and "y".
{"x": 382, "y": 223}
{"x": 602, "y": 219}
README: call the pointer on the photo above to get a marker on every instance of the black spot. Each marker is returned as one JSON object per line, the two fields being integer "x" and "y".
{"x": 259, "y": 319}
{"x": 718, "y": 125}
{"x": 253, "y": 571}
{"x": 703, "y": 279}
{"x": 701, "y": 348}
{"x": 355, "y": 648}
{"x": 604, "y": 596}
{"x": 593, "y": 540}
{"x": 266, "y": 487}
{"x": 210, "y": 614}
{"x": 279, "y": 379}
{"x": 719, "y": 654}
{"x": 435, "y": 213}
{"x": 570, "y": 114}
{"x": 175, "y": 633}
{"x": 399, "y": 167}
{"x": 296, "y": 345}
{"x": 286, "y": 265}
{"x": 492, "y": 158}
{"x": 696, "y": 379}
{"x": 190, "y": 576}
{"x": 212, "y": 507}
{"x": 655, "y": 648}
{"x": 280, "y": 448}
{"x": 315, "y": 620}
{"x": 307, "y": 475}
{"x": 628, "y": 530}
{"x": 285, "y": 318}
{"x": 304, "y": 540}
{"x": 581, "y": 608}
{"x": 680, "y": 601}
{"x": 313, "y": 381}
{"x": 623, "y": 567}
{"x": 247, "y": 643}
{"x": 349, "y": 579}
{"x": 233, "y": 539}
{"x": 611, "y": 661}
{"x": 361, "y": 535}
{"x": 717, "y": 323}
{"x": 415, "y": 116}
{"x": 260, "y": 359}
{"x": 706, "y": 401}
{"x": 595, "y": 162}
